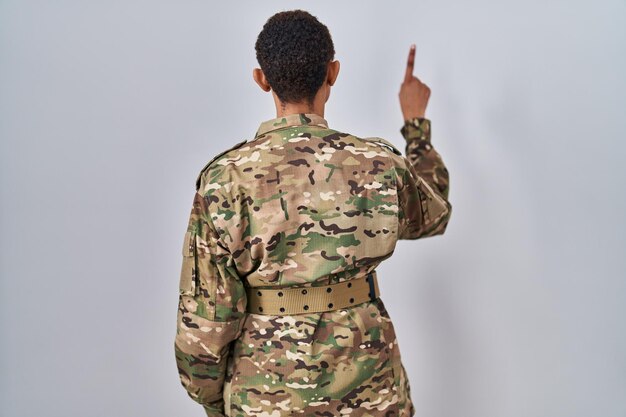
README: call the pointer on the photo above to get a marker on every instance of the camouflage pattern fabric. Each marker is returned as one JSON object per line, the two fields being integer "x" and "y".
{"x": 301, "y": 204}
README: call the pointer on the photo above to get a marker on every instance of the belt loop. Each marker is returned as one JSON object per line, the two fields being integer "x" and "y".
{"x": 370, "y": 280}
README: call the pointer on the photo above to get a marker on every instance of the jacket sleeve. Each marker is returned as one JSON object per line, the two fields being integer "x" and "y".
{"x": 211, "y": 309}
{"x": 423, "y": 184}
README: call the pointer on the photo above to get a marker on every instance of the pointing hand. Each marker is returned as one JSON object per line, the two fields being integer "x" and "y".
{"x": 413, "y": 94}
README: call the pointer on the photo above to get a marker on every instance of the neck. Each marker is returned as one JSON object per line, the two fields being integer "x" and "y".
{"x": 283, "y": 109}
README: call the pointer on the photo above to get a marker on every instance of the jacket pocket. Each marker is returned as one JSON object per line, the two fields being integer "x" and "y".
{"x": 434, "y": 206}
{"x": 187, "y": 283}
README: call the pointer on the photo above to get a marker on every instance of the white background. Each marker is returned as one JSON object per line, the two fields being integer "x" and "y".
{"x": 108, "y": 110}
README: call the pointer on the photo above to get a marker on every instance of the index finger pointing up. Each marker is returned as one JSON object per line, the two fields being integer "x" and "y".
{"x": 409, "y": 65}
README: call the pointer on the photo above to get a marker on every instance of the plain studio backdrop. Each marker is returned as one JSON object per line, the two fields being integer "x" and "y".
{"x": 108, "y": 111}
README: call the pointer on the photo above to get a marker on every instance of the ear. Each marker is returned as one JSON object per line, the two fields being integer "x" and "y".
{"x": 333, "y": 72}
{"x": 259, "y": 78}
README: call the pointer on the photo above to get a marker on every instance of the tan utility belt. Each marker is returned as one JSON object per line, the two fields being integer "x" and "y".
{"x": 299, "y": 300}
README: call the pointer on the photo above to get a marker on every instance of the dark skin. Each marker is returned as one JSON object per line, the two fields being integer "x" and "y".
{"x": 413, "y": 95}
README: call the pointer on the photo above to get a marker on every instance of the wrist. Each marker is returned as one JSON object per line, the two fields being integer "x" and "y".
{"x": 412, "y": 118}
{"x": 416, "y": 128}
{"x": 413, "y": 114}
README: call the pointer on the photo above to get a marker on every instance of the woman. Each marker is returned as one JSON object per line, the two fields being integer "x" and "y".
{"x": 279, "y": 310}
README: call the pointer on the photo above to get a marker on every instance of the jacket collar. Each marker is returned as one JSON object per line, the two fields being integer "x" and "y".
{"x": 294, "y": 119}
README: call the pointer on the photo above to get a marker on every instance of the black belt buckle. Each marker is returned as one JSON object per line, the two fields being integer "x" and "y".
{"x": 370, "y": 280}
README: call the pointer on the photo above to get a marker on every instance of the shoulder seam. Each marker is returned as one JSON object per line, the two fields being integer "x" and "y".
{"x": 384, "y": 142}
{"x": 199, "y": 177}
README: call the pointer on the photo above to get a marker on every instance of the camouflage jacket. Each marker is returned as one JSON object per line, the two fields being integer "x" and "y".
{"x": 301, "y": 204}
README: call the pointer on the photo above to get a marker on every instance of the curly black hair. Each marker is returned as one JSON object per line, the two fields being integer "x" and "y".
{"x": 293, "y": 50}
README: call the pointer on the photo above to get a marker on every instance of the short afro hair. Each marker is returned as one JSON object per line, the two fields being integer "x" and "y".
{"x": 294, "y": 50}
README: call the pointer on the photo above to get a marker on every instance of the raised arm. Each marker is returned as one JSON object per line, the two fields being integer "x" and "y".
{"x": 423, "y": 179}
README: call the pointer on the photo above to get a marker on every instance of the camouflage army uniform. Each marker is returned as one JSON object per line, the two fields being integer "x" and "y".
{"x": 301, "y": 204}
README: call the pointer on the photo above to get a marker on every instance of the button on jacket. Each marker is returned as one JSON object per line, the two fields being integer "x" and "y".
{"x": 302, "y": 204}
